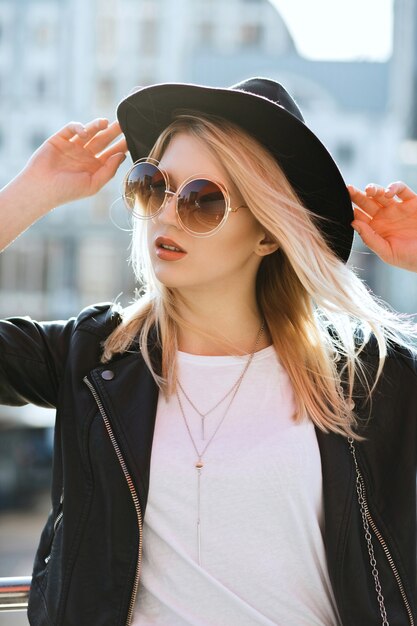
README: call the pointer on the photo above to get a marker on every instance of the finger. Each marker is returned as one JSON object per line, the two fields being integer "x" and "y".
{"x": 363, "y": 202}
{"x": 119, "y": 146}
{"x": 107, "y": 171}
{"x": 103, "y": 138}
{"x": 92, "y": 128}
{"x": 70, "y": 130}
{"x": 377, "y": 192}
{"x": 374, "y": 241}
{"x": 401, "y": 190}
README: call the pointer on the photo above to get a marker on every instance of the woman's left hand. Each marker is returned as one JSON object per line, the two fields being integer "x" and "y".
{"x": 386, "y": 220}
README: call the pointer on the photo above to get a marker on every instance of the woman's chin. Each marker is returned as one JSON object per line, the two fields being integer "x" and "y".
{"x": 169, "y": 278}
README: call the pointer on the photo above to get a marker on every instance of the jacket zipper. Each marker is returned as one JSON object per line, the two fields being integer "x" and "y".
{"x": 133, "y": 493}
{"x": 380, "y": 538}
{"x": 57, "y": 522}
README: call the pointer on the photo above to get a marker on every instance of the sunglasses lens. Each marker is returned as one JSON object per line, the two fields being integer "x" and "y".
{"x": 144, "y": 190}
{"x": 201, "y": 206}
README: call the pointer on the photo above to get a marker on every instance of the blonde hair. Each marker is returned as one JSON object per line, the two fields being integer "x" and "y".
{"x": 316, "y": 309}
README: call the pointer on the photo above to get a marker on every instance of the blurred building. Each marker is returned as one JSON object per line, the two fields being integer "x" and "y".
{"x": 72, "y": 59}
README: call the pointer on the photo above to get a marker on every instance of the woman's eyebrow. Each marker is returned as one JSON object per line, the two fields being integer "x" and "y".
{"x": 172, "y": 179}
{"x": 175, "y": 182}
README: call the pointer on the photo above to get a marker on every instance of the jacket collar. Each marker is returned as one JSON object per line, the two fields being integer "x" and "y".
{"x": 129, "y": 396}
{"x": 338, "y": 497}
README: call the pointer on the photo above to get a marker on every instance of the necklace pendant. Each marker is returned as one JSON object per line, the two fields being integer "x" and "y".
{"x": 199, "y": 464}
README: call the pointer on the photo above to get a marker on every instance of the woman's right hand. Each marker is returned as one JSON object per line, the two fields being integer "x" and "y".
{"x": 75, "y": 162}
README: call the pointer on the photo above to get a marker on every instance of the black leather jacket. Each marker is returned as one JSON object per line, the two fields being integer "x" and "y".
{"x": 87, "y": 567}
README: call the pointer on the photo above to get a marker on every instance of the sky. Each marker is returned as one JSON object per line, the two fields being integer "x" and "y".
{"x": 340, "y": 29}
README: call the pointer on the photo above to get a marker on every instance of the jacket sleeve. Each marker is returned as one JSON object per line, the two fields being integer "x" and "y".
{"x": 32, "y": 360}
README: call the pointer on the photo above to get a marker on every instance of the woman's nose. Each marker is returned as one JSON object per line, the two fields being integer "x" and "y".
{"x": 168, "y": 214}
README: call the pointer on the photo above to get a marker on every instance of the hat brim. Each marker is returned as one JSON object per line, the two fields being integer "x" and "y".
{"x": 308, "y": 165}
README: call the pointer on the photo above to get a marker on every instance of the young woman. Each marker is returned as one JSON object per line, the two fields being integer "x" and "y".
{"x": 256, "y": 400}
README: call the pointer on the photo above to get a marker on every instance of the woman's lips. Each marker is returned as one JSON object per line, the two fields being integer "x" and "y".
{"x": 168, "y": 249}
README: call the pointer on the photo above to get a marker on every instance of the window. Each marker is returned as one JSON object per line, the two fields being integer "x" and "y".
{"x": 106, "y": 36}
{"x": 345, "y": 153}
{"x": 148, "y": 38}
{"x": 206, "y": 33}
{"x": 40, "y": 87}
{"x": 102, "y": 207}
{"x": 99, "y": 262}
{"x": 251, "y": 34}
{"x": 44, "y": 35}
{"x": 24, "y": 268}
{"x": 105, "y": 92}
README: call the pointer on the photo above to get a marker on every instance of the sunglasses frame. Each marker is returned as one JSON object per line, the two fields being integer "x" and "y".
{"x": 168, "y": 194}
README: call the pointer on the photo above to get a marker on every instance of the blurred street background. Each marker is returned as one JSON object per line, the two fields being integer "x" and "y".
{"x": 63, "y": 60}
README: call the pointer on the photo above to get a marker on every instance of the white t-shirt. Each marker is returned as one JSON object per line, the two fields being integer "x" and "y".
{"x": 262, "y": 553}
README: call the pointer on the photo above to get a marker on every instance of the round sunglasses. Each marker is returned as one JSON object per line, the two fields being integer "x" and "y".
{"x": 202, "y": 205}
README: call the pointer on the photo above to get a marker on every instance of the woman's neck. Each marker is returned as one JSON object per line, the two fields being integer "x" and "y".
{"x": 223, "y": 326}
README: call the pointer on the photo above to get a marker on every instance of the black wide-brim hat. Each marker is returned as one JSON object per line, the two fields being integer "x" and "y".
{"x": 264, "y": 109}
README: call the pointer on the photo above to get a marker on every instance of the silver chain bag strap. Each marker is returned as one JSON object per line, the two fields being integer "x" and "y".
{"x": 363, "y": 505}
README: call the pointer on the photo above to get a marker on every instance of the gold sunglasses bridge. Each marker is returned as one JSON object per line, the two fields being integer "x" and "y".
{"x": 168, "y": 194}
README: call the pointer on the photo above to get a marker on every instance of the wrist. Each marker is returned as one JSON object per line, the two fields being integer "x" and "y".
{"x": 22, "y": 202}
{"x": 32, "y": 193}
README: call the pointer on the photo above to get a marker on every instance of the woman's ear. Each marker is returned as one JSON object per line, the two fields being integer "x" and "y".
{"x": 266, "y": 246}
